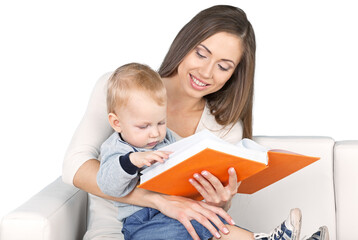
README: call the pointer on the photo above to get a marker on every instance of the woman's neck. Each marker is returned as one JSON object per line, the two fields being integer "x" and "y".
{"x": 183, "y": 112}
{"x": 179, "y": 101}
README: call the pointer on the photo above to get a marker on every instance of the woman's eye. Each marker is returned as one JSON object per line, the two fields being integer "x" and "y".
{"x": 199, "y": 54}
{"x": 223, "y": 68}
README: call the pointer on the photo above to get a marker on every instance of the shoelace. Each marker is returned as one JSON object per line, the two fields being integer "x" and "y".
{"x": 276, "y": 233}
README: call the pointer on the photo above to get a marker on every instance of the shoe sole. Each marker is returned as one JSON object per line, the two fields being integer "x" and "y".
{"x": 324, "y": 233}
{"x": 296, "y": 220}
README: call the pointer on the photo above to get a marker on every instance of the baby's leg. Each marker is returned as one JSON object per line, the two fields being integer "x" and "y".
{"x": 288, "y": 230}
{"x": 236, "y": 233}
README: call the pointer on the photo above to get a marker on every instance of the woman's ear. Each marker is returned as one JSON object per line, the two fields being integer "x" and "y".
{"x": 114, "y": 121}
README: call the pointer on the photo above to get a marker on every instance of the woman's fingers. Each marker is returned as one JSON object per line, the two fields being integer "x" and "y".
{"x": 207, "y": 216}
{"x": 203, "y": 217}
{"x": 233, "y": 184}
{"x": 211, "y": 184}
{"x": 212, "y": 190}
{"x": 187, "y": 224}
{"x": 212, "y": 213}
{"x": 219, "y": 212}
{"x": 214, "y": 181}
{"x": 185, "y": 210}
{"x": 201, "y": 190}
{"x": 206, "y": 184}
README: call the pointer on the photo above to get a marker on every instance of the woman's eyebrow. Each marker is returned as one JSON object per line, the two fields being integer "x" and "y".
{"x": 207, "y": 49}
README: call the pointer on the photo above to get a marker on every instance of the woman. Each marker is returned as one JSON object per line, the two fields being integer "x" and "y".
{"x": 208, "y": 73}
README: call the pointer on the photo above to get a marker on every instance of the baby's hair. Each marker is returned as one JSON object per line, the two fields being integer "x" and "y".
{"x": 134, "y": 77}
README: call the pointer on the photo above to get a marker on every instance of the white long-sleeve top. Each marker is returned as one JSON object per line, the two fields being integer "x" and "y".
{"x": 94, "y": 129}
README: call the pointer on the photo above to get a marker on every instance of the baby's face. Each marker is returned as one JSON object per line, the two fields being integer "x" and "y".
{"x": 142, "y": 121}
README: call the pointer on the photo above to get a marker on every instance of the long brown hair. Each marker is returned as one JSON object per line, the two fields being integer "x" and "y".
{"x": 234, "y": 100}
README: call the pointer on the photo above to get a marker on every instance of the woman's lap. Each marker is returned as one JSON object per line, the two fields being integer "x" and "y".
{"x": 102, "y": 220}
{"x": 103, "y": 223}
{"x": 150, "y": 224}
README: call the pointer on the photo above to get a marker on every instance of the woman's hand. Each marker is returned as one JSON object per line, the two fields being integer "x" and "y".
{"x": 185, "y": 209}
{"x": 212, "y": 190}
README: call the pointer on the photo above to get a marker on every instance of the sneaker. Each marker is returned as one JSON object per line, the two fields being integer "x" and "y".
{"x": 289, "y": 230}
{"x": 321, "y": 234}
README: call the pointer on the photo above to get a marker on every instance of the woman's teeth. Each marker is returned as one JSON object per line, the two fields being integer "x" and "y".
{"x": 197, "y": 82}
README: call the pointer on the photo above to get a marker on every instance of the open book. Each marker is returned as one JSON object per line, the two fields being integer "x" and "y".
{"x": 256, "y": 166}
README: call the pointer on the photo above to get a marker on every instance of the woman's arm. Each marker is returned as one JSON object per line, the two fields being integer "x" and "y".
{"x": 180, "y": 208}
{"x": 92, "y": 131}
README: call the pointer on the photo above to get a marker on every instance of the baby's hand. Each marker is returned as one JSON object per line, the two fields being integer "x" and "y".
{"x": 140, "y": 159}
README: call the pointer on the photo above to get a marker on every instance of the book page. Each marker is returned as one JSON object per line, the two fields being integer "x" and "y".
{"x": 196, "y": 143}
{"x": 189, "y": 141}
{"x": 250, "y": 144}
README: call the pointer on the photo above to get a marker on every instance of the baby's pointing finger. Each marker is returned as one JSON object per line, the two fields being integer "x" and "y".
{"x": 163, "y": 154}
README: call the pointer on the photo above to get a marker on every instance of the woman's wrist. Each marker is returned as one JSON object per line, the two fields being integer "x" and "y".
{"x": 156, "y": 200}
{"x": 143, "y": 198}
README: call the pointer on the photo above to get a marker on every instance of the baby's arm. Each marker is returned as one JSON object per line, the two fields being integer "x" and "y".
{"x": 114, "y": 180}
{"x": 140, "y": 159}
{"x": 116, "y": 177}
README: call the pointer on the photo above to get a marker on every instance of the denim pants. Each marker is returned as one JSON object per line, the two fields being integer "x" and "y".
{"x": 150, "y": 224}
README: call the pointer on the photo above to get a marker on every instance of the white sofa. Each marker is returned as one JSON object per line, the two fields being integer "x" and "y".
{"x": 326, "y": 192}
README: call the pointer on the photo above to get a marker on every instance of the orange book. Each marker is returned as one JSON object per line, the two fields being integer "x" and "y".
{"x": 256, "y": 166}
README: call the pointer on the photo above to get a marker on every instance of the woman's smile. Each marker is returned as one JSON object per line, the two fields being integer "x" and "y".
{"x": 197, "y": 83}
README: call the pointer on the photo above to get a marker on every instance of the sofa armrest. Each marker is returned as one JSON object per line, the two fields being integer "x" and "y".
{"x": 346, "y": 188}
{"x": 56, "y": 212}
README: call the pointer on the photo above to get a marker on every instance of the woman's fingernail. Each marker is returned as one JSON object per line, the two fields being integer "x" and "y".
{"x": 205, "y": 173}
{"x": 232, "y": 222}
{"x": 196, "y": 175}
{"x": 225, "y": 230}
{"x": 217, "y": 235}
{"x": 191, "y": 180}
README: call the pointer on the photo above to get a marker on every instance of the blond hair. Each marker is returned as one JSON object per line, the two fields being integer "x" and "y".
{"x": 134, "y": 77}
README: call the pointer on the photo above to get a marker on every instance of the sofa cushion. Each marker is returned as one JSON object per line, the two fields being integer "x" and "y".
{"x": 310, "y": 189}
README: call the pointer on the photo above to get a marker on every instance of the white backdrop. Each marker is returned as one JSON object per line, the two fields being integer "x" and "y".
{"x": 52, "y": 53}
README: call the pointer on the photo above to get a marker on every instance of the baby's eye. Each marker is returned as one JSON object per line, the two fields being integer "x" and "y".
{"x": 161, "y": 123}
{"x": 142, "y": 126}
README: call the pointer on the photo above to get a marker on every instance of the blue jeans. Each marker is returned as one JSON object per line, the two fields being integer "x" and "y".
{"x": 150, "y": 224}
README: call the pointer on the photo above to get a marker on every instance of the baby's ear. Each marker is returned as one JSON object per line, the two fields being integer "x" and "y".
{"x": 114, "y": 121}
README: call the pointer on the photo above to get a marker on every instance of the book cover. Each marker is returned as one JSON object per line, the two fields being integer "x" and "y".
{"x": 256, "y": 166}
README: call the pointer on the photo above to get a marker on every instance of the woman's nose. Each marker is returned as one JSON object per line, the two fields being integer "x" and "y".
{"x": 206, "y": 70}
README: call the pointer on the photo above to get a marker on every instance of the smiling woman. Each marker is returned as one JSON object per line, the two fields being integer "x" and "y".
{"x": 205, "y": 70}
{"x": 210, "y": 65}
{"x": 208, "y": 74}
{"x": 304, "y": 82}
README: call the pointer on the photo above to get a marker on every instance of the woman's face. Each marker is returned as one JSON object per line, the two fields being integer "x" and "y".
{"x": 209, "y": 65}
